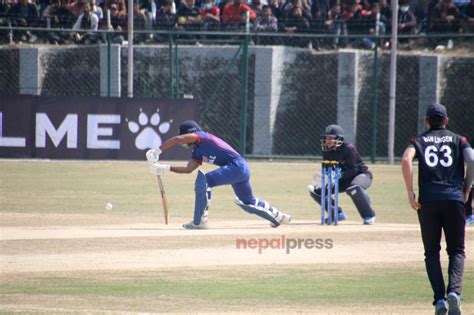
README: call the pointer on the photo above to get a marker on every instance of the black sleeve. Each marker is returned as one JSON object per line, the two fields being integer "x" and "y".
{"x": 350, "y": 168}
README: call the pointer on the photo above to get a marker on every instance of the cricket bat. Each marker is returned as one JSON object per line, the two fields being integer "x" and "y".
{"x": 164, "y": 199}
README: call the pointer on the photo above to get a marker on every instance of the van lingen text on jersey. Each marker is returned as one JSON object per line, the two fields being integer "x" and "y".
{"x": 438, "y": 139}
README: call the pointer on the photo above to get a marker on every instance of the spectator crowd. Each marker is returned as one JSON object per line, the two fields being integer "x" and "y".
{"x": 77, "y": 21}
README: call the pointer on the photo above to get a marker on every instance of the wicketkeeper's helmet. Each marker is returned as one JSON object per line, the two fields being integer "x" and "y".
{"x": 188, "y": 126}
{"x": 333, "y": 131}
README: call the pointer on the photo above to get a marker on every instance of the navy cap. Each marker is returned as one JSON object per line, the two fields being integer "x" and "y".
{"x": 188, "y": 126}
{"x": 436, "y": 110}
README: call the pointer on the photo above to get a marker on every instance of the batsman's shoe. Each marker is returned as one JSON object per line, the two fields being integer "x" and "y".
{"x": 454, "y": 304}
{"x": 192, "y": 226}
{"x": 441, "y": 307}
{"x": 341, "y": 216}
{"x": 369, "y": 220}
{"x": 282, "y": 218}
{"x": 470, "y": 219}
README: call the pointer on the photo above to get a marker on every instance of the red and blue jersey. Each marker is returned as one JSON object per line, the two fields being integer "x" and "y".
{"x": 213, "y": 150}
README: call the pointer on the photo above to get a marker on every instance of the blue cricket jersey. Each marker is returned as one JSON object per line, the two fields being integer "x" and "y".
{"x": 213, "y": 150}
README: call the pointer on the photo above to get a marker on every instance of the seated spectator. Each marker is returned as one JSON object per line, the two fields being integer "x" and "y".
{"x": 210, "y": 16}
{"x": 303, "y": 4}
{"x": 140, "y": 23}
{"x": 189, "y": 17}
{"x": 121, "y": 6}
{"x": 58, "y": 16}
{"x": 406, "y": 20}
{"x": 320, "y": 9}
{"x": 334, "y": 24}
{"x": 369, "y": 22}
{"x": 257, "y": 7}
{"x": 24, "y": 14}
{"x": 445, "y": 18}
{"x": 89, "y": 22}
{"x": 353, "y": 19}
{"x": 265, "y": 23}
{"x": 231, "y": 17}
{"x": 467, "y": 17}
{"x": 386, "y": 12}
{"x": 97, "y": 10}
{"x": 165, "y": 19}
{"x": 295, "y": 22}
{"x": 4, "y": 21}
{"x": 275, "y": 5}
{"x": 117, "y": 25}
{"x": 77, "y": 6}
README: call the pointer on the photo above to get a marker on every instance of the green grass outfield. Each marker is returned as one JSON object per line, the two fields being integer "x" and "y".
{"x": 70, "y": 195}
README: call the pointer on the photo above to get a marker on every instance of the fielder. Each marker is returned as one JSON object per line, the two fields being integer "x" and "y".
{"x": 233, "y": 170}
{"x": 355, "y": 176}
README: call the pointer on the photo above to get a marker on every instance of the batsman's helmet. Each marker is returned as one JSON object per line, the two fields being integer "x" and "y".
{"x": 333, "y": 131}
{"x": 188, "y": 126}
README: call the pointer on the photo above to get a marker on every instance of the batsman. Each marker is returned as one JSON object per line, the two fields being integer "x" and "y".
{"x": 232, "y": 170}
{"x": 355, "y": 175}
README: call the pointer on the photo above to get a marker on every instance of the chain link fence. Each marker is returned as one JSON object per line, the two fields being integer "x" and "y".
{"x": 302, "y": 87}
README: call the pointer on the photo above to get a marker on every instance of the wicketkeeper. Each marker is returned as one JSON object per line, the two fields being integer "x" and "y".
{"x": 233, "y": 170}
{"x": 355, "y": 175}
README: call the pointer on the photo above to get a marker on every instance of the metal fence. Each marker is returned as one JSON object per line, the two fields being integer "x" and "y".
{"x": 223, "y": 75}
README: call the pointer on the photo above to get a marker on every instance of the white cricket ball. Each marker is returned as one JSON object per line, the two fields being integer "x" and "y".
{"x": 108, "y": 206}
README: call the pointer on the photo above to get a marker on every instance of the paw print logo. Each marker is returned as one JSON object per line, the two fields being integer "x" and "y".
{"x": 147, "y": 137}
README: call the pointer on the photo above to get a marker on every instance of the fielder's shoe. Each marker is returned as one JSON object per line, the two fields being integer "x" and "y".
{"x": 369, "y": 220}
{"x": 470, "y": 219}
{"x": 341, "y": 216}
{"x": 441, "y": 307}
{"x": 192, "y": 226}
{"x": 282, "y": 218}
{"x": 454, "y": 304}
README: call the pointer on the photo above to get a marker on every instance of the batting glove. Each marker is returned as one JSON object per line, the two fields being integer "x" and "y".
{"x": 153, "y": 155}
{"x": 159, "y": 169}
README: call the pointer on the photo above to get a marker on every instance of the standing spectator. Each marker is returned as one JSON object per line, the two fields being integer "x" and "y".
{"x": 443, "y": 189}
{"x": 295, "y": 22}
{"x": 356, "y": 177}
{"x": 231, "y": 17}
{"x": 467, "y": 16}
{"x": 406, "y": 20}
{"x": 88, "y": 22}
{"x": 24, "y": 14}
{"x": 232, "y": 170}
{"x": 445, "y": 18}
{"x": 266, "y": 23}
